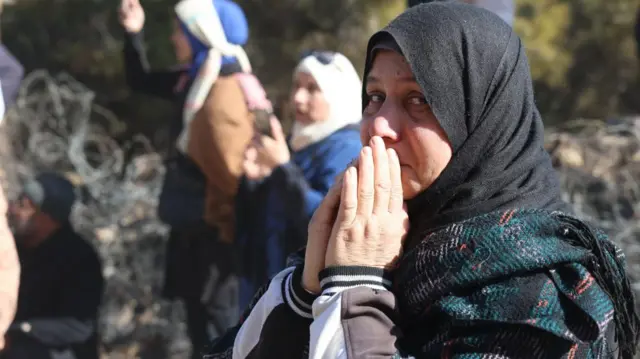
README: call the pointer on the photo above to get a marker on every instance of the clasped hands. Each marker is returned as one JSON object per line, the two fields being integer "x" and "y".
{"x": 362, "y": 221}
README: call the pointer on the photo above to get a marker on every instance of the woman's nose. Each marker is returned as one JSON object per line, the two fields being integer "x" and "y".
{"x": 382, "y": 125}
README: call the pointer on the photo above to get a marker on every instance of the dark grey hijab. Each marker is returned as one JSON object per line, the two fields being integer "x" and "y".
{"x": 474, "y": 74}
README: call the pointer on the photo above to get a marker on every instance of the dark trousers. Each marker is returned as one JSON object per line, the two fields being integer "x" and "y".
{"x": 201, "y": 271}
{"x": 197, "y": 327}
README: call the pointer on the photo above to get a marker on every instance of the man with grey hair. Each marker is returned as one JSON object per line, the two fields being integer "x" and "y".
{"x": 61, "y": 282}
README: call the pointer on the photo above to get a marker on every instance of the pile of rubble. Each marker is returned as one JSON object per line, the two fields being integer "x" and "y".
{"x": 599, "y": 165}
{"x": 56, "y": 125}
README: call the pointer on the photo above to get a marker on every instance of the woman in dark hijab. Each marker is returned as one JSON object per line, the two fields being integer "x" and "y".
{"x": 491, "y": 265}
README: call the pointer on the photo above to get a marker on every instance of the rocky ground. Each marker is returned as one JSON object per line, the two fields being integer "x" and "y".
{"x": 56, "y": 125}
{"x": 599, "y": 164}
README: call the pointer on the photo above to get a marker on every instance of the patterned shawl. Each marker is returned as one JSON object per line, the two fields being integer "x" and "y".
{"x": 535, "y": 276}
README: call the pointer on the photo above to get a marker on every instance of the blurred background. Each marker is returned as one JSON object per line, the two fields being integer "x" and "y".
{"x": 76, "y": 114}
{"x": 582, "y": 52}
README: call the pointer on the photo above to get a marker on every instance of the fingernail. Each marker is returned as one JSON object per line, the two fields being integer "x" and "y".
{"x": 366, "y": 150}
{"x": 376, "y": 141}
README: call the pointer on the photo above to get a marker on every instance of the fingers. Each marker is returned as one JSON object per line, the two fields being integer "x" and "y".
{"x": 266, "y": 141}
{"x": 396, "y": 198}
{"x": 256, "y": 140}
{"x": 382, "y": 176}
{"x": 250, "y": 154}
{"x": 264, "y": 148}
{"x": 349, "y": 201}
{"x": 365, "y": 186}
{"x": 249, "y": 162}
{"x": 325, "y": 214}
{"x": 126, "y": 5}
{"x": 276, "y": 130}
{"x": 122, "y": 10}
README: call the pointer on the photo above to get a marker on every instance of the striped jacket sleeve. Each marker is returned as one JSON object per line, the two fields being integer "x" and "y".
{"x": 276, "y": 324}
{"x": 352, "y": 318}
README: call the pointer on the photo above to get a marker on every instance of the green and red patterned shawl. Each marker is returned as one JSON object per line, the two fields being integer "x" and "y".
{"x": 552, "y": 284}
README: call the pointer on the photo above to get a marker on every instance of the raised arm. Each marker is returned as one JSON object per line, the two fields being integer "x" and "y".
{"x": 361, "y": 234}
{"x": 137, "y": 70}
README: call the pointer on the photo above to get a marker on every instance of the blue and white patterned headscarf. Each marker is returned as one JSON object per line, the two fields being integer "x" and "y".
{"x": 208, "y": 25}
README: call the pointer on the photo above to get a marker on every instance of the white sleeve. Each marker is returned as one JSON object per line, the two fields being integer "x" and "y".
{"x": 249, "y": 334}
{"x": 354, "y": 315}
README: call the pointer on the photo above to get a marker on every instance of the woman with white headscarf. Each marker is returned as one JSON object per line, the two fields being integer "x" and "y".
{"x": 285, "y": 180}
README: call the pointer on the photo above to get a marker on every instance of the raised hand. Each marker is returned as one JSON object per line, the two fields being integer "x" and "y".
{"x": 318, "y": 237}
{"x": 372, "y": 221}
{"x": 273, "y": 151}
{"x": 250, "y": 166}
{"x": 131, "y": 16}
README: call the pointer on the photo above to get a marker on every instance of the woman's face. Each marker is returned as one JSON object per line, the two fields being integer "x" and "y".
{"x": 180, "y": 44}
{"x": 397, "y": 112}
{"x": 308, "y": 100}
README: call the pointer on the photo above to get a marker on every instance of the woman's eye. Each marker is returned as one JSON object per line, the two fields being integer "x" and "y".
{"x": 417, "y": 100}
{"x": 376, "y": 98}
{"x": 374, "y": 102}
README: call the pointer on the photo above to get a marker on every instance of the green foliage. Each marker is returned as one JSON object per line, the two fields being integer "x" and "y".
{"x": 582, "y": 52}
{"x": 84, "y": 38}
{"x": 542, "y": 24}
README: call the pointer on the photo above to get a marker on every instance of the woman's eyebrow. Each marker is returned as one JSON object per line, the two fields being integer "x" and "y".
{"x": 371, "y": 79}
